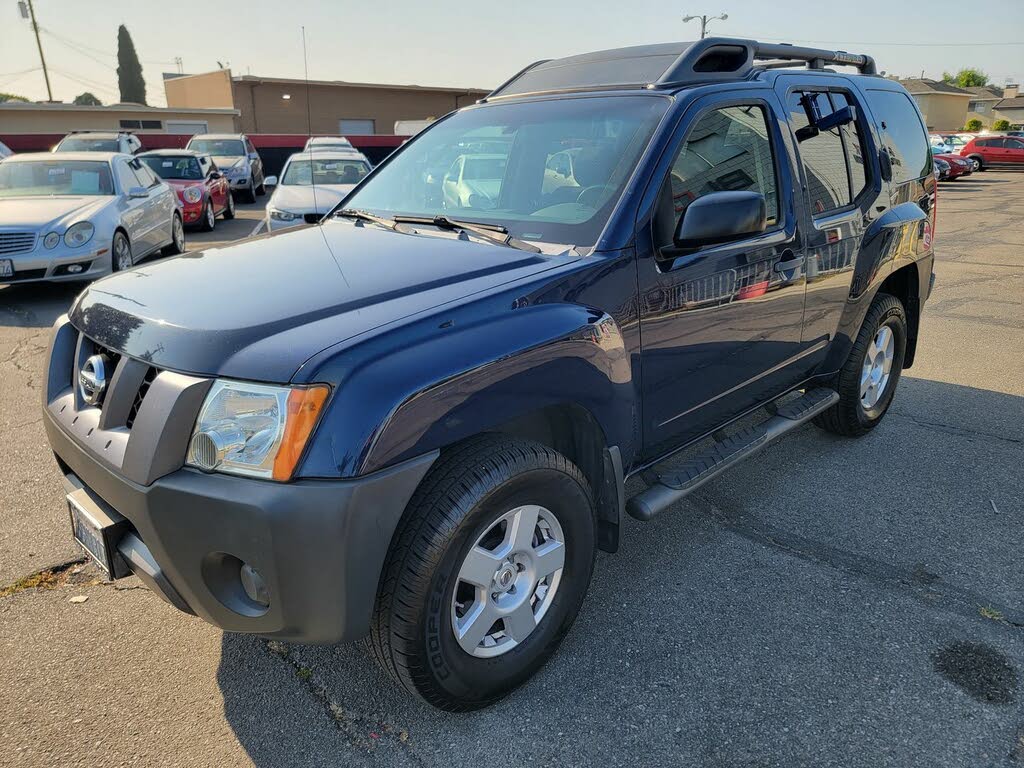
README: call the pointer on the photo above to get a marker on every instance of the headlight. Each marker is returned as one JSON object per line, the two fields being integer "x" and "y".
{"x": 192, "y": 194}
{"x": 255, "y": 429}
{"x": 283, "y": 215}
{"x": 51, "y": 240}
{"x": 79, "y": 234}
{"x": 237, "y": 170}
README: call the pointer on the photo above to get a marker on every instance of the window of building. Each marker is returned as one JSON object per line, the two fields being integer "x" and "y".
{"x": 356, "y": 127}
{"x": 828, "y": 185}
{"x": 134, "y": 125}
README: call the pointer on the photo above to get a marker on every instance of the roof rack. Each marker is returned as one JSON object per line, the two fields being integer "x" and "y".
{"x": 671, "y": 65}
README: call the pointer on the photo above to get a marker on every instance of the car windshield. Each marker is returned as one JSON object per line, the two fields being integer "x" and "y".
{"x": 85, "y": 144}
{"x": 219, "y": 147}
{"x": 497, "y": 164}
{"x": 174, "y": 167}
{"x": 324, "y": 171}
{"x": 45, "y": 178}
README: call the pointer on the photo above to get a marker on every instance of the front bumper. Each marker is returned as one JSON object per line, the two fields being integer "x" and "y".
{"x": 52, "y": 265}
{"x": 319, "y": 545}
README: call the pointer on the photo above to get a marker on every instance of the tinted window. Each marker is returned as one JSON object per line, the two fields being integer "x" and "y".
{"x": 146, "y": 177}
{"x": 904, "y": 134}
{"x": 1014, "y": 144}
{"x": 221, "y": 147}
{"x": 727, "y": 149}
{"x": 173, "y": 166}
{"x": 828, "y": 186}
{"x": 853, "y": 140}
{"x": 85, "y": 144}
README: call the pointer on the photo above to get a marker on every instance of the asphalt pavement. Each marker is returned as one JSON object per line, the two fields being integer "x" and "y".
{"x": 831, "y": 602}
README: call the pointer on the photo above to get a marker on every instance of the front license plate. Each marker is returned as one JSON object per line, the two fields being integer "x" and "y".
{"x": 88, "y": 533}
{"x": 6, "y": 268}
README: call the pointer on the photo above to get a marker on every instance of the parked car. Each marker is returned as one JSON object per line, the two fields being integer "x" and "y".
{"x": 958, "y": 166}
{"x": 5, "y": 151}
{"x": 327, "y": 142}
{"x": 956, "y": 141}
{"x": 942, "y": 169}
{"x": 236, "y": 158}
{"x": 203, "y": 191}
{"x": 940, "y": 145}
{"x": 311, "y": 184}
{"x": 994, "y": 152}
{"x": 416, "y": 419}
{"x": 99, "y": 141}
{"x": 82, "y": 215}
{"x": 473, "y": 181}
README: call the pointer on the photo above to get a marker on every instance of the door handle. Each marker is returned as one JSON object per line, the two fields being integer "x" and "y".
{"x": 785, "y": 266}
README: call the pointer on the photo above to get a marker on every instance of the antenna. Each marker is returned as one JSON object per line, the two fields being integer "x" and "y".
{"x": 309, "y": 119}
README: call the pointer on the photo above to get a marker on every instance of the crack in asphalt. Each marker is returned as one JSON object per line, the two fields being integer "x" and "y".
{"x": 919, "y": 583}
{"x": 955, "y": 430}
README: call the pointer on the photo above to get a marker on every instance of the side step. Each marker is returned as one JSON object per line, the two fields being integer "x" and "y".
{"x": 672, "y": 486}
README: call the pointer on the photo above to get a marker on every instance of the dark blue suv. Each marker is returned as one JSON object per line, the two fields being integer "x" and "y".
{"x": 415, "y": 419}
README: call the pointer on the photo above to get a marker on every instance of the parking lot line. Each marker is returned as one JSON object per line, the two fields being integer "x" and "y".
{"x": 256, "y": 229}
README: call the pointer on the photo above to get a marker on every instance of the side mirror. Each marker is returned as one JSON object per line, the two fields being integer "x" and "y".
{"x": 270, "y": 181}
{"x": 138, "y": 192}
{"x": 254, "y": 156}
{"x": 216, "y": 175}
{"x": 720, "y": 217}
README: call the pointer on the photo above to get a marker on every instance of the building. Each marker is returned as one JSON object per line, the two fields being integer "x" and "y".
{"x": 1011, "y": 106}
{"x": 59, "y": 119}
{"x": 944, "y": 106}
{"x": 983, "y": 103}
{"x": 277, "y": 105}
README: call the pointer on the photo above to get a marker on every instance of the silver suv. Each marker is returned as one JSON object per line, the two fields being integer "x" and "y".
{"x": 99, "y": 141}
{"x": 237, "y": 159}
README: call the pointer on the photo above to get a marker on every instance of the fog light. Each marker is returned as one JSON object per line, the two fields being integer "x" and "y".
{"x": 254, "y": 585}
{"x": 74, "y": 269}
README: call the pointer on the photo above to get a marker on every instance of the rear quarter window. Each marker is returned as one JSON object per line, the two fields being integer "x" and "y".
{"x": 904, "y": 134}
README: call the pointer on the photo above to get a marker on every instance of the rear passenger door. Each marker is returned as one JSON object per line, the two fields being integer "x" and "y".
{"x": 842, "y": 191}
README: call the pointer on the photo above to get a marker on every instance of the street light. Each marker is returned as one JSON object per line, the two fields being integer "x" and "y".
{"x": 704, "y": 22}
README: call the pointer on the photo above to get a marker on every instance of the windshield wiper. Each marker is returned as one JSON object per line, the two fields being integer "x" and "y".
{"x": 355, "y": 213}
{"x": 492, "y": 233}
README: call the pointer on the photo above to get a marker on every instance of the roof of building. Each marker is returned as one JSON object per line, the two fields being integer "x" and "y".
{"x": 983, "y": 92}
{"x": 345, "y": 84}
{"x": 1017, "y": 102}
{"x": 927, "y": 85}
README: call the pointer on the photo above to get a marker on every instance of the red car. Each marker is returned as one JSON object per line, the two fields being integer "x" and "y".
{"x": 203, "y": 191}
{"x": 958, "y": 166}
{"x": 994, "y": 152}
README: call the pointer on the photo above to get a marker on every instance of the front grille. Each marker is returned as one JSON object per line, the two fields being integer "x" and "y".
{"x": 140, "y": 396}
{"x": 313, "y": 218}
{"x": 16, "y": 242}
{"x": 24, "y": 274}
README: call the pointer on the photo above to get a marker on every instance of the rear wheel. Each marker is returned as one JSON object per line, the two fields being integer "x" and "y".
{"x": 486, "y": 572}
{"x": 229, "y": 207}
{"x": 177, "y": 244}
{"x": 867, "y": 381}
{"x": 261, "y": 190}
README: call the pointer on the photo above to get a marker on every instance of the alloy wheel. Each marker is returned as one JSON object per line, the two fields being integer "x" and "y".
{"x": 877, "y": 366}
{"x": 122, "y": 252}
{"x": 211, "y": 217}
{"x": 178, "y": 233}
{"x": 507, "y": 581}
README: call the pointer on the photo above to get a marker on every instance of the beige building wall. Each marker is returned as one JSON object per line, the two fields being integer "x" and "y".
{"x": 205, "y": 91}
{"x": 943, "y": 111}
{"x": 46, "y": 119}
{"x": 265, "y": 109}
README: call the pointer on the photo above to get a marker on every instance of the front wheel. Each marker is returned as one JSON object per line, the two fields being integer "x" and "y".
{"x": 209, "y": 218}
{"x": 486, "y": 573}
{"x": 121, "y": 252}
{"x": 229, "y": 207}
{"x": 867, "y": 381}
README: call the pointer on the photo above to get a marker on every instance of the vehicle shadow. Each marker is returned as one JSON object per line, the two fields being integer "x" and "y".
{"x": 36, "y": 305}
{"x": 802, "y": 594}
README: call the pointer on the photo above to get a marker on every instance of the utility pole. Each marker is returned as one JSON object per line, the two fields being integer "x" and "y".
{"x": 704, "y": 22}
{"x": 177, "y": 60}
{"x": 35, "y": 28}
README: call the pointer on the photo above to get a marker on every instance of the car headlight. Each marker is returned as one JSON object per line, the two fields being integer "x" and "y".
{"x": 51, "y": 240}
{"x": 192, "y": 194}
{"x": 79, "y": 234}
{"x": 279, "y": 215}
{"x": 257, "y": 430}
{"x": 238, "y": 170}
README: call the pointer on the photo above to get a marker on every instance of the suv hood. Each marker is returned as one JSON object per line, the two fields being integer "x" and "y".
{"x": 259, "y": 309}
{"x": 34, "y": 212}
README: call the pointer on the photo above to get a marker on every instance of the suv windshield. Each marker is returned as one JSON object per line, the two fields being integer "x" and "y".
{"x": 220, "y": 147}
{"x": 174, "y": 167}
{"x": 43, "y": 178}
{"x": 325, "y": 171}
{"x": 83, "y": 144}
{"x": 548, "y": 171}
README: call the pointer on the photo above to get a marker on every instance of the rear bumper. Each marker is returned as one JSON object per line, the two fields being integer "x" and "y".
{"x": 319, "y": 545}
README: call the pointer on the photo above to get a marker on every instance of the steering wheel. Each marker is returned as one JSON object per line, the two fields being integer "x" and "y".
{"x": 590, "y": 195}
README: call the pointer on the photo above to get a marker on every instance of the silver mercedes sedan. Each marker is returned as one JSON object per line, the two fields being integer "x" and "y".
{"x": 81, "y": 215}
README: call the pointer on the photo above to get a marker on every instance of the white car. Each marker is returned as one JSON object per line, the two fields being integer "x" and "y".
{"x": 311, "y": 184}
{"x": 327, "y": 142}
{"x": 473, "y": 181}
{"x": 5, "y": 151}
{"x": 99, "y": 141}
{"x": 82, "y": 215}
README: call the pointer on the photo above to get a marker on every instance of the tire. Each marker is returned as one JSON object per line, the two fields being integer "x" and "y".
{"x": 261, "y": 190}
{"x": 250, "y": 193}
{"x": 479, "y": 493}
{"x": 857, "y": 412}
{"x": 177, "y": 238}
{"x": 119, "y": 248}
{"x": 229, "y": 207}
{"x": 978, "y": 164}
{"x": 208, "y": 221}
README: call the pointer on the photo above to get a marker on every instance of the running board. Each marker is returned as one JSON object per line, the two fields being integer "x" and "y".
{"x": 672, "y": 486}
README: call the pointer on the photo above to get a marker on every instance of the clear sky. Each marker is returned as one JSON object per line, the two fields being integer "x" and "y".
{"x": 473, "y": 44}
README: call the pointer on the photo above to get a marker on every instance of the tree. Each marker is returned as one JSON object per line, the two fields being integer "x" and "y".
{"x": 974, "y": 124}
{"x": 11, "y": 97}
{"x": 87, "y": 99}
{"x": 966, "y": 78}
{"x": 129, "y": 70}
{"x": 1001, "y": 125}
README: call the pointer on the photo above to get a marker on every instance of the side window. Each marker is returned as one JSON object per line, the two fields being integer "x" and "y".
{"x": 828, "y": 185}
{"x": 853, "y": 140}
{"x": 249, "y": 147}
{"x": 126, "y": 176}
{"x": 1014, "y": 144}
{"x": 904, "y": 133}
{"x": 727, "y": 149}
{"x": 145, "y": 176}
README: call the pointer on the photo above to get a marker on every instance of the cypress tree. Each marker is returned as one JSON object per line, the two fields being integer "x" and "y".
{"x": 129, "y": 70}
